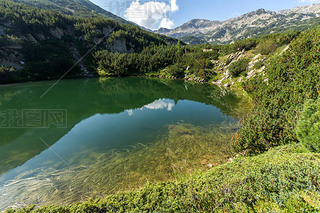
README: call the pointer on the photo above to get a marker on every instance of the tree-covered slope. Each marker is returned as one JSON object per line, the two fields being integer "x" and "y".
{"x": 82, "y": 8}
{"x": 39, "y": 44}
{"x": 290, "y": 80}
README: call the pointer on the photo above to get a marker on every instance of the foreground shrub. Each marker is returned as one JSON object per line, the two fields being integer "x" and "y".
{"x": 308, "y": 128}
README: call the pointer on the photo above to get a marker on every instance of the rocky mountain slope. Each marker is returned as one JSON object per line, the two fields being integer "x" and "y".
{"x": 83, "y": 8}
{"x": 257, "y": 23}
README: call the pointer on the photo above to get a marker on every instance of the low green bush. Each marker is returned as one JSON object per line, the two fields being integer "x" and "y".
{"x": 266, "y": 47}
{"x": 205, "y": 74}
{"x": 239, "y": 67}
{"x": 258, "y": 65}
{"x": 308, "y": 127}
{"x": 176, "y": 70}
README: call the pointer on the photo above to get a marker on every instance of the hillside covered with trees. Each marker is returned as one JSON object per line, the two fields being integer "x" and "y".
{"x": 38, "y": 44}
{"x": 80, "y": 8}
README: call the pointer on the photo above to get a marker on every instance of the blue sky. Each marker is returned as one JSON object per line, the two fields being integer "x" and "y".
{"x": 171, "y": 13}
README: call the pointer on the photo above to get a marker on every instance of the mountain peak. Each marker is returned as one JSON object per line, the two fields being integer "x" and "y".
{"x": 162, "y": 30}
{"x": 258, "y": 12}
{"x": 199, "y": 23}
{"x": 198, "y": 20}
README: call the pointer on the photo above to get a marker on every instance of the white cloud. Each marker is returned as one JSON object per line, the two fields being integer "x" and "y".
{"x": 174, "y": 6}
{"x": 166, "y": 23}
{"x": 151, "y": 14}
{"x": 130, "y": 112}
{"x": 161, "y": 104}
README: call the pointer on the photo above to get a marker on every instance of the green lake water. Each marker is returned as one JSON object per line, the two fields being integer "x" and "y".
{"x": 90, "y": 138}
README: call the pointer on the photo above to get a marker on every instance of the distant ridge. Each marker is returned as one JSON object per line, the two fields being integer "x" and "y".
{"x": 256, "y": 23}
